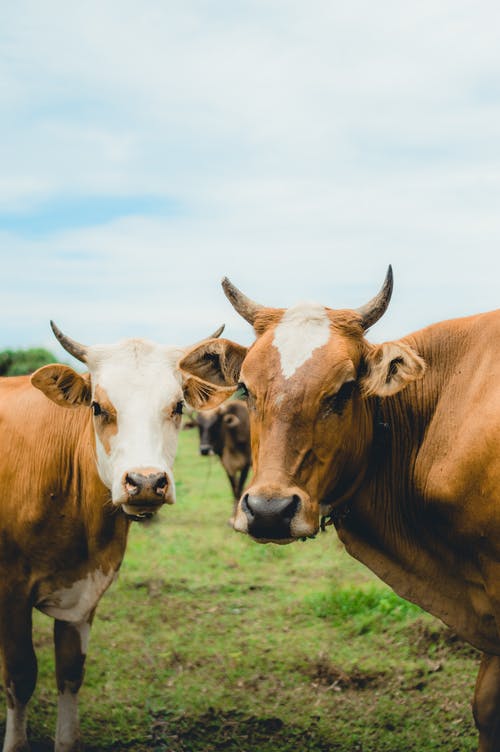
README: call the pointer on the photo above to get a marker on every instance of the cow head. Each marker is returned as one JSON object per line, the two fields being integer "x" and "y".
{"x": 208, "y": 424}
{"x": 136, "y": 395}
{"x": 212, "y": 424}
{"x": 308, "y": 379}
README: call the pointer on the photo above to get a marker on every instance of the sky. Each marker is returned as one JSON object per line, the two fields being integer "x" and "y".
{"x": 148, "y": 148}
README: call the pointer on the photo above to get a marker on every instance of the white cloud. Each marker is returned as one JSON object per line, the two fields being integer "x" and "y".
{"x": 307, "y": 145}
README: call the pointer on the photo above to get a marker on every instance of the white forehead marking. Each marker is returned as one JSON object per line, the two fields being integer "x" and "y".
{"x": 302, "y": 329}
{"x": 133, "y": 361}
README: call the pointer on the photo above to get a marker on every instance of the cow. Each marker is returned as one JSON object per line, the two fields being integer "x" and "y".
{"x": 72, "y": 481}
{"x": 225, "y": 431}
{"x": 397, "y": 444}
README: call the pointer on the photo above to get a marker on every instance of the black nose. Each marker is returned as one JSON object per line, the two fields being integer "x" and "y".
{"x": 204, "y": 450}
{"x": 270, "y": 517}
{"x": 137, "y": 484}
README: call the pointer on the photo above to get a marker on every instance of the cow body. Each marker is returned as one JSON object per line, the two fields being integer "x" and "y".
{"x": 61, "y": 545}
{"x": 225, "y": 432}
{"x": 72, "y": 480}
{"x": 396, "y": 444}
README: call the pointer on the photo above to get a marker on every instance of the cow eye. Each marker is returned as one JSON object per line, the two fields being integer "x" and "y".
{"x": 242, "y": 390}
{"x": 178, "y": 408}
{"x": 96, "y": 408}
{"x": 337, "y": 402}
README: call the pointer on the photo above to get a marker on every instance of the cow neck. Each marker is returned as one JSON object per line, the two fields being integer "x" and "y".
{"x": 385, "y": 497}
{"x": 340, "y": 500}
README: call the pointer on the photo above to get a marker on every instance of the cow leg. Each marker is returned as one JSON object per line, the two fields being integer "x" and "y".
{"x": 486, "y": 704}
{"x": 232, "y": 480}
{"x": 19, "y": 670}
{"x": 242, "y": 480}
{"x": 237, "y": 485}
{"x": 234, "y": 489}
{"x": 70, "y": 642}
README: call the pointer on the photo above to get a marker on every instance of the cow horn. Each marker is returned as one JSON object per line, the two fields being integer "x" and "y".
{"x": 217, "y": 332}
{"x": 74, "y": 348}
{"x": 243, "y": 305}
{"x": 377, "y": 306}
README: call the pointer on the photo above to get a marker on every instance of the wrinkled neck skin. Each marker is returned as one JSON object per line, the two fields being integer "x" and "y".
{"x": 387, "y": 491}
{"x": 346, "y": 471}
{"x": 409, "y": 520}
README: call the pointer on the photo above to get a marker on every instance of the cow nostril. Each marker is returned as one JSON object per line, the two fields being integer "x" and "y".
{"x": 290, "y": 510}
{"x": 139, "y": 484}
{"x": 132, "y": 485}
{"x": 245, "y": 506}
{"x": 160, "y": 484}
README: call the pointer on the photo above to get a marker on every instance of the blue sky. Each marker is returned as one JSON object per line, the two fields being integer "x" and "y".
{"x": 149, "y": 148}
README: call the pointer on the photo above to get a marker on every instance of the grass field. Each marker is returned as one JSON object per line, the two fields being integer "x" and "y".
{"x": 209, "y": 641}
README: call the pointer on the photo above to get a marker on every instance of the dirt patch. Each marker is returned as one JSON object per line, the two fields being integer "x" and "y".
{"x": 232, "y": 731}
{"x": 429, "y": 640}
{"x": 324, "y": 673}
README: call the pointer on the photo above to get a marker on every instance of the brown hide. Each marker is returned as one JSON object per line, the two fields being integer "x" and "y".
{"x": 57, "y": 523}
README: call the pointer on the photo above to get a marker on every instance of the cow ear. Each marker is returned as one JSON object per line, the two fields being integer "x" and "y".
{"x": 390, "y": 367}
{"x": 201, "y": 395}
{"x": 62, "y": 385}
{"x": 217, "y": 361}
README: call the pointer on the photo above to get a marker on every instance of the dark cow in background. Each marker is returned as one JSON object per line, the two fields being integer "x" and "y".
{"x": 75, "y": 469}
{"x": 397, "y": 444}
{"x": 225, "y": 432}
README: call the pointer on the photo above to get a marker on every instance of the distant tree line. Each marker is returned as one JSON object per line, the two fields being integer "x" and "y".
{"x": 17, "y": 362}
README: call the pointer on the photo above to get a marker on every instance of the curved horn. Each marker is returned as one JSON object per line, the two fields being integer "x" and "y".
{"x": 377, "y": 306}
{"x": 74, "y": 348}
{"x": 217, "y": 332}
{"x": 243, "y": 305}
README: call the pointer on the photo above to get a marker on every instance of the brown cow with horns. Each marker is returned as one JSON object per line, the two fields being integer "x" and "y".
{"x": 398, "y": 444}
{"x": 72, "y": 480}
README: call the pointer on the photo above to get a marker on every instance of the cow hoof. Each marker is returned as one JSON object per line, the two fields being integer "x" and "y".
{"x": 74, "y": 746}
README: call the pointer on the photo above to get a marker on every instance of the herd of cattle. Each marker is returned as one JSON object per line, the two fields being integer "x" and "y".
{"x": 395, "y": 444}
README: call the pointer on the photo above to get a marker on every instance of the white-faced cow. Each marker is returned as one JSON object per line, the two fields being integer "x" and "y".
{"x": 225, "y": 432}
{"x": 398, "y": 444}
{"x": 72, "y": 480}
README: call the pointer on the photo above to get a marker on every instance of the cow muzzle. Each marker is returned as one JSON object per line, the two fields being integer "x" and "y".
{"x": 145, "y": 491}
{"x": 276, "y": 517}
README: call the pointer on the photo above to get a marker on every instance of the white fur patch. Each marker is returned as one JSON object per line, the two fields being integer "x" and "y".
{"x": 84, "y": 632}
{"x": 303, "y": 329}
{"x": 76, "y": 602}
{"x": 15, "y": 725}
{"x": 68, "y": 727}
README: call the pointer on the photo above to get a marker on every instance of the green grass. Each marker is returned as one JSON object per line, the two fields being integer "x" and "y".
{"x": 209, "y": 641}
